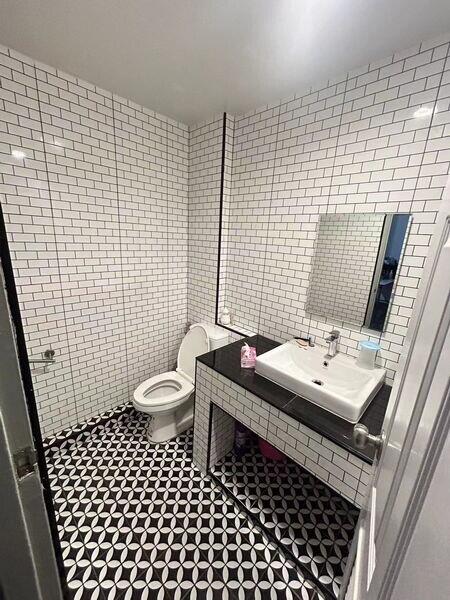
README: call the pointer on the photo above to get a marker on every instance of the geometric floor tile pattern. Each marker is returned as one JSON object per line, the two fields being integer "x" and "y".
{"x": 307, "y": 518}
{"x": 139, "y": 521}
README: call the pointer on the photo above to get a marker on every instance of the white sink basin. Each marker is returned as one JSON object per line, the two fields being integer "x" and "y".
{"x": 337, "y": 384}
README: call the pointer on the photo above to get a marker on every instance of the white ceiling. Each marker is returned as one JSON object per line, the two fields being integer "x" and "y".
{"x": 191, "y": 59}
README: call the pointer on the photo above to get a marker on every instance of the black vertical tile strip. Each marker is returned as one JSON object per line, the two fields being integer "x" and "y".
{"x": 222, "y": 183}
{"x": 27, "y": 381}
{"x": 208, "y": 451}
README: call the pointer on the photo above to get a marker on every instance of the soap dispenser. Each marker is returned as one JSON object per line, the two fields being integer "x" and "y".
{"x": 225, "y": 317}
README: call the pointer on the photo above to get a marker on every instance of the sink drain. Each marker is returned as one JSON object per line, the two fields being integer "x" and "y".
{"x": 317, "y": 381}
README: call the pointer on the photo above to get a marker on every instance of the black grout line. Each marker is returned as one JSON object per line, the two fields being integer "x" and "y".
{"x": 219, "y": 240}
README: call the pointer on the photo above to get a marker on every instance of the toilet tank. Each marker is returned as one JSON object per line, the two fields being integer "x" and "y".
{"x": 218, "y": 336}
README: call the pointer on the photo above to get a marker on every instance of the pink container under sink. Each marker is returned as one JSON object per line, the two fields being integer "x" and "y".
{"x": 269, "y": 452}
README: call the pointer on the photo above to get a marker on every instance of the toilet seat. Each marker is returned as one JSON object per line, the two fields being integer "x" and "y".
{"x": 163, "y": 391}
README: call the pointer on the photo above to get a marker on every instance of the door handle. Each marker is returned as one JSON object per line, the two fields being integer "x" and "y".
{"x": 362, "y": 438}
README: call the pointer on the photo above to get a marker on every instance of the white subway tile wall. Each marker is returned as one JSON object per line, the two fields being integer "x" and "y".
{"x": 110, "y": 258}
{"x": 341, "y": 470}
{"x": 250, "y": 216}
{"x": 374, "y": 141}
{"x": 94, "y": 193}
{"x": 205, "y": 161}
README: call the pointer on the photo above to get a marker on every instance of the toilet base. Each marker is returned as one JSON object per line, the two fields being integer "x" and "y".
{"x": 165, "y": 427}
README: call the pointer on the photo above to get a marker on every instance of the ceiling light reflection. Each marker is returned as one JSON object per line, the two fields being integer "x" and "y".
{"x": 19, "y": 154}
{"x": 423, "y": 111}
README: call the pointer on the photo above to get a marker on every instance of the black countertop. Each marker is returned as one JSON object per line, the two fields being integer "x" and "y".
{"x": 227, "y": 362}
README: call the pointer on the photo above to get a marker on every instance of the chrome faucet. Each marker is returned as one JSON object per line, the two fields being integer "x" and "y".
{"x": 332, "y": 341}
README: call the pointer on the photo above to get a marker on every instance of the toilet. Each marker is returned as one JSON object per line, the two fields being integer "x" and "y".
{"x": 168, "y": 398}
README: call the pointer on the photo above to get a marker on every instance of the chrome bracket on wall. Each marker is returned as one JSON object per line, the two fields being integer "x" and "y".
{"x": 48, "y": 358}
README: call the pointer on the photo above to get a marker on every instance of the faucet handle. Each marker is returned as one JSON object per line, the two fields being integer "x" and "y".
{"x": 335, "y": 334}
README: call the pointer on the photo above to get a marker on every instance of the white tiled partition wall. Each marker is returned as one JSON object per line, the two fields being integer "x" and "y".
{"x": 96, "y": 215}
{"x": 376, "y": 140}
{"x": 205, "y": 160}
{"x": 249, "y": 217}
{"x": 341, "y": 470}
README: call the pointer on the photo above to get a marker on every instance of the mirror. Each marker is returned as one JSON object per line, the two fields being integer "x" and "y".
{"x": 356, "y": 258}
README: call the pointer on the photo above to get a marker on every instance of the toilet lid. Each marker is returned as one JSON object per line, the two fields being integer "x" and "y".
{"x": 195, "y": 343}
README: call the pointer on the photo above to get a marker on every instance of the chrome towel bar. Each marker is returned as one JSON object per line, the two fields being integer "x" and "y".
{"x": 43, "y": 361}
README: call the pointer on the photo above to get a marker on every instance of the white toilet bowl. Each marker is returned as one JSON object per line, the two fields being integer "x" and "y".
{"x": 168, "y": 398}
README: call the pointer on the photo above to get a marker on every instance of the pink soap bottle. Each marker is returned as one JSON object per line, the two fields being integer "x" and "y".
{"x": 248, "y": 357}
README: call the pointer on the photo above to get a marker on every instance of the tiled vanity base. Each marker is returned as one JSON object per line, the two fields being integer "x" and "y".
{"x": 347, "y": 474}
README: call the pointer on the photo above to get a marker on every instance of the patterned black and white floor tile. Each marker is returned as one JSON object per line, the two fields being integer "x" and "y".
{"x": 85, "y": 427}
{"x": 305, "y": 516}
{"x": 139, "y": 521}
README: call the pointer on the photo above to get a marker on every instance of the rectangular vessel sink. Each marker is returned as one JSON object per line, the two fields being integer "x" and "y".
{"x": 337, "y": 384}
